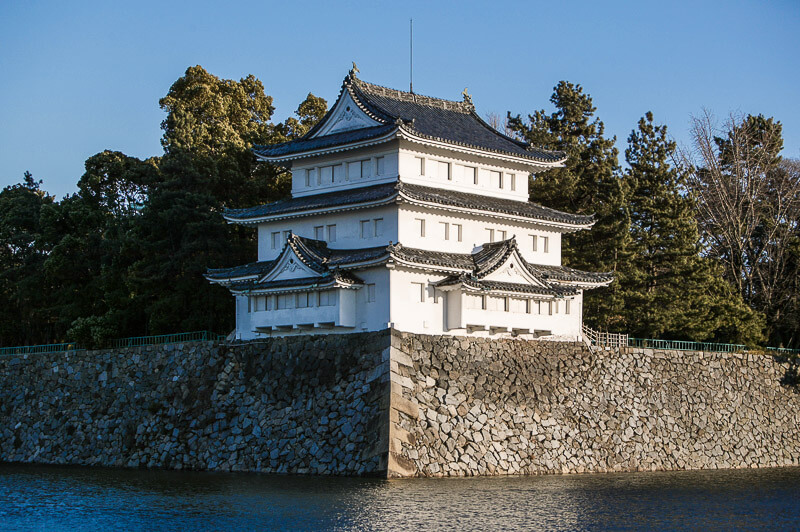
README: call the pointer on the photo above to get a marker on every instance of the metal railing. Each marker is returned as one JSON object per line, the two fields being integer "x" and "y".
{"x": 39, "y": 349}
{"x": 194, "y": 336}
{"x": 784, "y": 351}
{"x": 685, "y": 345}
{"x": 133, "y": 341}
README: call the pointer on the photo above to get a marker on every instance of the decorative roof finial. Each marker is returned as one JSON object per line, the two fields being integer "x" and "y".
{"x": 354, "y": 70}
{"x": 467, "y": 97}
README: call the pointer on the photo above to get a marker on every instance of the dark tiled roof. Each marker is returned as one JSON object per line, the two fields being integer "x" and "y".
{"x": 314, "y": 253}
{"x": 387, "y": 191}
{"x": 563, "y": 273}
{"x": 336, "y": 139}
{"x": 329, "y": 279}
{"x": 317, "y": 201}
{"x": 446, "y": 120}
{"x": 489, "y": 257}
{"x": 479, "y": 284}
{"x": 255, "y": 269}
{"x": 431, "y": 118}
{"x": 486, "y": 203}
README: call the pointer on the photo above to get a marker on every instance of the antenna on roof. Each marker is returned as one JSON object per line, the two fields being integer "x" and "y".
{"x": 411, "y": 56}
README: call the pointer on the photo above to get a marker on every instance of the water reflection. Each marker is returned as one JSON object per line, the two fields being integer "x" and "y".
{"x": 55, "y": 498}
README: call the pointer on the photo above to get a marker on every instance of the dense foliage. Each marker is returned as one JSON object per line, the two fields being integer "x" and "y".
{"x": 703, "y": 245}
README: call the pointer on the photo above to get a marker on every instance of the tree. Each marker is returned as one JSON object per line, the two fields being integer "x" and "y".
{"x": 749, "y": 210}
{"x": 23, "y": 290}
{"x": 589, "y": 183}
{"x": 670, "y": 290}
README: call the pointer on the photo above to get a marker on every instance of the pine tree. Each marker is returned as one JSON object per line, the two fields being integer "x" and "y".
{"x": 669, "y": 289}
{"x": 589, "y": 183}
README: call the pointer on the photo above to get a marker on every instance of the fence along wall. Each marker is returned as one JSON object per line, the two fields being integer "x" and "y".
{"x": 397, "y": 404}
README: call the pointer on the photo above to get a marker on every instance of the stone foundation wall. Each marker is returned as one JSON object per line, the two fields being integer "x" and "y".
{"x": 396, "y": 404}
{"x": 488, "y": 407}
{"x": 290, "y": 405}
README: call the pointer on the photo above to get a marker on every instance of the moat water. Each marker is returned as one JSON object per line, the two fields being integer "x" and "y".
{"x": 61, "y": 498}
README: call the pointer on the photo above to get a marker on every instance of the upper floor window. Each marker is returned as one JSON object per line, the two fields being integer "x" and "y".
{"x": 371, "y": 228}
{"x": 358, "y": 169}
{"x": 380, "y": 166}
{"x": 420, "y": 164}
{"x": 276, "y": 239}
{"x": 418, "y": 292}
{"x": 327, "y": 298}
{"x": 311, "y": 177}
{"x": 512, "y": 181}
{"x": 443, "y": 170}
{"x": 331, "y": 232}
{"x": 546, "y": 244}
{"x": 445, "y": 230}
{"x": 534, "y": 242}
{"x": 421, "y": 226}
{"x": 319, "y": 232}
{"x": 471, "y": 175}
{"x": 458, "y": 230}
{"x": 496, "y": 178}
{"x": 490, "y": 234}
{"x": 501, "y": 235}
{"x": 370, "y": 293}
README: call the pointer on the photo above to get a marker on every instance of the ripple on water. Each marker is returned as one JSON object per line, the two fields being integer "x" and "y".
{"x": 56, "y": 498}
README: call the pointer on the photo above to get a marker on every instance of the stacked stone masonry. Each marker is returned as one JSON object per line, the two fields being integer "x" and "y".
{"x": 396, "y": 404}
{"x": 489, "y": 407}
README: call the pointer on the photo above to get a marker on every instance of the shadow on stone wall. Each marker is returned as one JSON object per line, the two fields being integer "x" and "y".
{"x": 791, "y": 378}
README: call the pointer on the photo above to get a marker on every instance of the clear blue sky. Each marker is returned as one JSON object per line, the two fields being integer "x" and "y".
{"x": 80, "y": 77}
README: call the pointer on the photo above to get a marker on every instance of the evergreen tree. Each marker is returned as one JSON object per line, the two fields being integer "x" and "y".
{"x": 589, "y": 183}
{"x": 670, "y": 290}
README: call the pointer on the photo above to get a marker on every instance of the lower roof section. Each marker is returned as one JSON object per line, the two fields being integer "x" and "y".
{"x": 385, "y": 193}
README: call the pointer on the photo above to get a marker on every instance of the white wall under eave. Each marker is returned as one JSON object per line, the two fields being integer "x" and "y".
{"x": 443, "y": 313}
{"x": 353, "y": 311}
{"x": 348, "y": 230}
{"x": 475, "y": 233}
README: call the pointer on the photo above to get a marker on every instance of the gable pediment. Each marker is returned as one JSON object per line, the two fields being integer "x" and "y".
{"x": 346, "y": 115}
{"x": 289, "y": 266}
{"x": 513, "y": 270}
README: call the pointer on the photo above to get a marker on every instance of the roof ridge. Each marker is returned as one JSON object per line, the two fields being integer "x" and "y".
{"x": 396, "y": 94}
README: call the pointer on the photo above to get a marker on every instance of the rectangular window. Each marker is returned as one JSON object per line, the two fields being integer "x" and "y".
{"x": 249, "y": 305}
{"x": 490, "y": 235}
{"x": 377, "y": 226}
{"x": 513, "y": 179}
{"x": 445, "y": 230}
{"x": 380, "y": 165}
{"x": 258, "y": 303}
{"x": 286, "y": 236}
{"x": 313, "y": 177}
{"x": 534, "y": 242}
{"x": 418, "y": 292}
{"x": 566, "y": 306}
{"x": 501, "y": 235}
{"x": 420, "y": 163}
{"x": 519, "y": 306}
{"x": 338, "y": 173}
{"x": 286, "y": 301}
{"x": 475, "y": 302}
{"x": 546, "y": 244}
{"x": 444, "y": 170}
{"x": 354, "y": 170}
{"x": 366, "y": 227}
{"x": 421, "y": 226}
{"x": 326, "y": 175}
{"x": 308, "y": 177}
{"x": 470, "y": 175}
{"x": 550, "y": 308}
{"x": 302, "y": 300}
{"x": 495, "y": 303}
{"x": 331, "y": 233}
{"x": 496, "y": 178}
{"x": 457, "y": 229}
{"x": 327, "y": 298}
{"x": 319, "y": 232}
{"x": 370, "y": 293}
{"x": 276, "y": 239}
